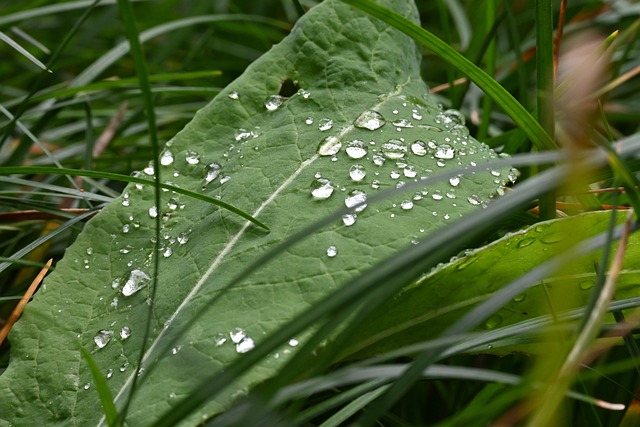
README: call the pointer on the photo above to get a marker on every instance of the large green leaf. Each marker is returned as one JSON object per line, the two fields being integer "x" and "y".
{"x": 353, "y": 118}
{"x": 440, "y": 297}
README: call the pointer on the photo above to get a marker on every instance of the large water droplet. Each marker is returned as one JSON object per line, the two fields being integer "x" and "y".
{"x": 211, "y": 172}
{"x": 402, "y": 123}
{"x": 357, "y": 172}
{"x": 410, "y": 171}
{"x": 454, "y": 181}
{"x": 356, "y": 149}
{"x": 102, "y": 338}
{"x": 153, "y": 212}
{"x": 325, "y": 124}
{"x": 332, "y": 251}
{"x": 149, "y": 170}
{"x": 406, "y": 205}
{"x": 444, "y": 151}
{"x": 321, "y": 189}
{"x": 274, "y": 102}
{"x": 394, "y": 149}
{"x": 137, "y": 280}
{"x": 371, "y": 120}
{"x": 419, "y": 148}
{"x": 329, "y": 146}
{"x": 355, "y": 198}
{"x": 167, "y": 158}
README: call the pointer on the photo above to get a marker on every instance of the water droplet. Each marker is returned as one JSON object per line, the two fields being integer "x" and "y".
{"x": 450, "y": 118}
{"x": 234, "y": 95}
{"x": 329, "y": 146}
{"x": 371, "y": 120}
{"x": 394, "y": 149}
{"x": 520, "y": 298}
{"x": 153, "y": 211}
{"x": 332, "y": 251}
{"x": 349, "y": 219}
{"x": 149, "y": 170}
{"x": 192, "y": 157}
{"x": 356, "y": 149}
{"x": 357, "y": 172}
{"x": 321, "y": 189}
{"x": 219, "y": 339}
{"x": 175, "y": 350}
{"x": 86, "y": 386}
{"x": 394, "y": 174}
{"x": 526, "y": 242}
{"x": 513, "y": 175}
{"x": 585, "y": 285}
{"x": 402, "y": 123}
{"x": 454, "y": 181}
{"x": 410, "y": 171}
{"x": 474, "y": 199}
{"x": 125, "y": 332}
{"x": 419, "y": 148}
{"x": 375, "y": 184}
{"x": 237, "y": 335}
{"x": 325, "y": 124}
{"x": 416, "y": 115}
{"x": 445, "y": 152}
{"x": 493, "y": 321}
{"x": 406, "y": 205}
{"x": 437, "y": 195}
{"x": 211, "y": 172}
{"x": 309, "y": 120}
{"x": 304, "y": 93}
{"x": 167, "y": 158}
{"x": 293, "y": 342}
{"x": 183, "y": 238}
{"x": 460, "y": 131}
{"x": 242, "y": 134}
{"x": 167, "y": 252}
{"x": 89, "y": 251}
{"x": 173, "y": 203}
{"x": 137, "y": 280}
{"x": 102, "y": 338}
{"x": 378, "y": 160}
{"x": 109, "y": 373}
{"x": 124, "y": 367}
{"x": 225, "y": 179}
{"x": 356, "y": 198}
{"x": 274, "y": 102}
{"x": 245, "y": 345}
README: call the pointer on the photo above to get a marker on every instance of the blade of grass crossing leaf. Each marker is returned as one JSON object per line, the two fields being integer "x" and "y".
{"x": 128, "y": 18}
{"x": 490, "y": 61}
{"x": 500, "y": 95}
{"x": 545, "y": 84}
{"x": 106, "y": 398}
{"x": 10, "y": 170}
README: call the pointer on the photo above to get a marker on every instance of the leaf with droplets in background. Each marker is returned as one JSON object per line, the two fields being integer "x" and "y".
{"x": 443, "y": 295}
{"x": 332, "y": 115}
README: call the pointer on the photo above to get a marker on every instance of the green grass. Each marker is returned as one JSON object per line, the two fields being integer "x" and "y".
{"x": 189, "y": 51}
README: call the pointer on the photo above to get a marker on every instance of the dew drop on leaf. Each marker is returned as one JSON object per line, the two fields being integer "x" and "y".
{"x": 474, "y": 199}
{"x": 329, "y": 146}
{"x": 167, "y": 158}
{"x": 237, "y": 335}
{"x": 321, "y": 189}
{"x": 406, "y": 205}
{"x": 225, "y": 179}
{"x": 325, "y": 124}
{"x": 102, "y": 338}
{"x": 356, "y": 199}
{"x": 349, "y": 219}
{"x": 419, "y": 148}
{"x": 378, "y": 160}
{"x": 234, "y": 95}
{"x": 437, "y": 195}
{"x": 149, "y": 170}
{"x": 402, "y": 123}
{"x": 445, "y": 152}
{"x": 332, "y": 251}
{"x": 245, "y": 345}
{"x": 357, "y": 172}
{"x": 109, "y": 373}
{"x": 219, "y": 339}
{"x": 410, "y": 171}
{"x": 371, "y": 120}
{"x": 304, "y": 93}
{"x": 211, "y": 172}
{"x": 153, "y": 211}
{"x": 293, "y": 342}
{"x": 356, "y": 149}
{"x": 394, "y": 149}
{"x": 309, "y": 120}
{"x": 274, "y": 102}
{"x": 454, "y": 181}
{"x": 137, "y": 280}
{"x": 125, "y": 332}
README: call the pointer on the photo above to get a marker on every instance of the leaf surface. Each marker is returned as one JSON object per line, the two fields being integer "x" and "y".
{"x": 334, "y": 113}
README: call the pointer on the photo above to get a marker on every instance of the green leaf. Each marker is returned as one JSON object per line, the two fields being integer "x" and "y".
{"x": 443, "y": 295}
{"x": 334, "y": 113}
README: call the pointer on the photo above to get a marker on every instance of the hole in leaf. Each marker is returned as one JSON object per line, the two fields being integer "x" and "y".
{"x": 288, "y": 88}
